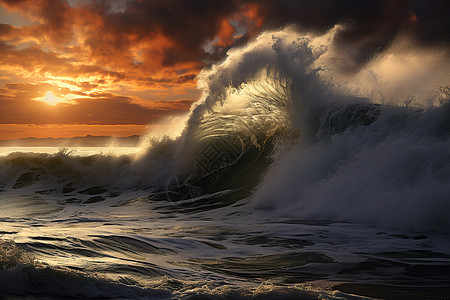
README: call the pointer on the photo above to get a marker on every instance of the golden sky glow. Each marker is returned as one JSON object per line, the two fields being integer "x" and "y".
{"x": 51, "y": 99}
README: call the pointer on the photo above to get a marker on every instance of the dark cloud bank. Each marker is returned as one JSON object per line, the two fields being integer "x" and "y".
{"x": 370, "y": 26}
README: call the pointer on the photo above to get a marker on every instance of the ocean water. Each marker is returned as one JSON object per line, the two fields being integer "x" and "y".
{"x": 278, "y": 187}
{"x": 74, "y": 151}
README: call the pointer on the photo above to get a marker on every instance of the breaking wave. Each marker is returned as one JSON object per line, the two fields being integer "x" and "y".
{"x": 331, "y": 156}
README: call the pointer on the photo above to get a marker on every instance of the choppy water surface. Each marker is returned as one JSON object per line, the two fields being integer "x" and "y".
{"x": 130, "y": 246}
{"x": 80, "y": 151}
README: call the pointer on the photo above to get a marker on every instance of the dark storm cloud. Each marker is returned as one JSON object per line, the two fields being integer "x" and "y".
{"x": 168, "y": 32}
{"x": 369, "y": 26}
{"x": 174, "y": 32}
{"x": 187, "y": 23}
{"x": 433, "y": 21}
{"x": 145, "y": 37}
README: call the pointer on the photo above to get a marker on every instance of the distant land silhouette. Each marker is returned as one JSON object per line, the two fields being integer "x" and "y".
{"x": 85, "y": 141}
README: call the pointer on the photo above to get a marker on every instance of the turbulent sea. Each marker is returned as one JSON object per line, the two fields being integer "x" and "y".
{"x": 277, "y": 187}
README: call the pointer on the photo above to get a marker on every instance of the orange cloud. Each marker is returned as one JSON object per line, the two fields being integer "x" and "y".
{"x": 226, "y": 34}
{"x": 251, "y": 18}
{"x": 149, "y": 44}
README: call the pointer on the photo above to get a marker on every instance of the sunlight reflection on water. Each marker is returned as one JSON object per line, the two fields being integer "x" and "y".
{"x": 79, "y": 151}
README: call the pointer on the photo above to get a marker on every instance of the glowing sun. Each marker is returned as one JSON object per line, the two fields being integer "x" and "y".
{"x": 50, "y": 98}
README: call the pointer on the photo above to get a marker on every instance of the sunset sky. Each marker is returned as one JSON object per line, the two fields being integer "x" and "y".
{"x": 76, "y": 67}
